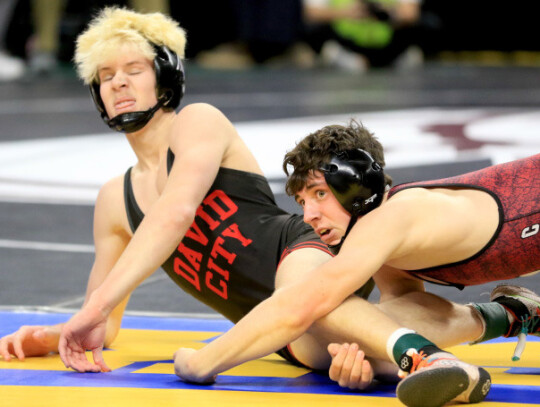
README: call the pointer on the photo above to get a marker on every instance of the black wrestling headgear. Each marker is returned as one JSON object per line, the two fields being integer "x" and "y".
{"x": 170, "y": 89}
{"x": 356, "y": 180}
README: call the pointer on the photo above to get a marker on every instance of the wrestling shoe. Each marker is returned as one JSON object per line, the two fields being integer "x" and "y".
{"x": 440, "y": 378}
{"x": 524, "y": 306}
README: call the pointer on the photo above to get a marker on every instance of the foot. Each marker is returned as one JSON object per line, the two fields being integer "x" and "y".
{"x": 11, "y": 68}
{"x": 524, "y": 307}
{"x": 440, "y": 378}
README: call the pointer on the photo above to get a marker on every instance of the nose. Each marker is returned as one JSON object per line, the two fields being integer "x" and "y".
{"x": 119, "y": 80}
{"x": 311, "y": 213}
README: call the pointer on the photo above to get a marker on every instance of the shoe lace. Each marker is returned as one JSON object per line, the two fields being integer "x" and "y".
{"x": 419, "y": 360}
{"x": 529, "y": 325}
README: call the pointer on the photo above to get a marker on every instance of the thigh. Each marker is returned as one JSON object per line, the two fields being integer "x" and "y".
{"x": 394, "y": 283}
{"x": 307, "y": 349}
{"x": 298, "y": 264}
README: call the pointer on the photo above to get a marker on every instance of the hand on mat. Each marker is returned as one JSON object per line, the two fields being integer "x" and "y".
{"x": 186, "y": 371}
{"x": 30, "y": 341}
{"x": 349, "y": 367}
{"x": 84, "y": 331}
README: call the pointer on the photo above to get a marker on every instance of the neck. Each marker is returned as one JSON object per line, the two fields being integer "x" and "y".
{"x": 152, "y": 140}
{"x": 336, "y": 247}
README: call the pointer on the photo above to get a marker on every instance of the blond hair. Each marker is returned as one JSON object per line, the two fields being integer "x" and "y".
{"x": 114, "y": 27}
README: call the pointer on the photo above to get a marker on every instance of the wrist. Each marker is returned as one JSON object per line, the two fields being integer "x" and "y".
{"x": 98, "y": 304}
{"x": 197, "y": 368}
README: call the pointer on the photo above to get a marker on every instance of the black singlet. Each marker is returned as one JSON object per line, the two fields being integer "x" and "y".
{"x": 229, "y": 256}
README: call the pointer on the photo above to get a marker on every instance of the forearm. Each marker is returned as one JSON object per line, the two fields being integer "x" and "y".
{"x": 267, "y": 328}
{"x": 54, "y": 336}
{"x": 156, "y": 238}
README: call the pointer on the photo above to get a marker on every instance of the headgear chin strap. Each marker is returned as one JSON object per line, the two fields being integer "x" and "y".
{"x": 356, "y": 180}
{"x": 134, "y": 121}
{"x": 335, "y": 248}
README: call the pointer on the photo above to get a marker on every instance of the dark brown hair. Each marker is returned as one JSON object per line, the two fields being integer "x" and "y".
{"x": 318, "y": 148}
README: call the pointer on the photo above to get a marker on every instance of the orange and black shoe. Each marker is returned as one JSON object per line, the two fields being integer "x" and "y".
{"x": 436, "y": 379}
{"x": 524, "y": 306}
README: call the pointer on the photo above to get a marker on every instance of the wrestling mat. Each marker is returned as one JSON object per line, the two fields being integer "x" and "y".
{"x": 143, "y": 373}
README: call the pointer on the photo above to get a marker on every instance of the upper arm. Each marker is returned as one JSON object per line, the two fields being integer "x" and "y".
{"x": 200, "y": 140}
{"x": 437, "y": 221}
{"x": 110, "y": 239}
{"x": 374, "y": 239}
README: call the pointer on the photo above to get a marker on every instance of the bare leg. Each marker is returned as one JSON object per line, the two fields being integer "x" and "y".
{"x": 355, "y": 320}
{"x": 442, "y": 322}
{"x": 150, "y": 6}
{"x": 437, "y": 319}
{"x": 46, "y": 17}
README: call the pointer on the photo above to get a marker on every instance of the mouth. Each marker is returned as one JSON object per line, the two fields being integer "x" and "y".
{"x": 324, "y": 234}
{"x": 124, "y": 105}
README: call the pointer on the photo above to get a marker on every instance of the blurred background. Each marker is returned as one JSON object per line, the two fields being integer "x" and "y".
{"x": 237, "y": 34}
{"x": 448, "y": 86}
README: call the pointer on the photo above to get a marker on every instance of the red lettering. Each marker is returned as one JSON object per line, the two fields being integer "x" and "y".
{"x": 187, "y": 272}
{"x": 194, "y": 232}
{"x": 193, "y": 256}
{"x": 207, "y": 218}
{"x": 223, "y": 212}
{"x": 218, "y": 249}
{"x": 222, "y": 289}
{"x": 234, "y": 232}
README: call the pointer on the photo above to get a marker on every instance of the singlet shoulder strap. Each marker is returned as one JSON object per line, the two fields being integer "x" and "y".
{"x": 133, "y": 211}
{"x": 170, "y": 160}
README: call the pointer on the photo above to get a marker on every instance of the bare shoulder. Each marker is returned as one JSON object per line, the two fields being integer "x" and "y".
{"x": 204, "y": 110}
{"x": 110, "y": 203}
{"x": 111, "y": 190}
{"x": 410, "y": 195}
{"x": 205, "y": 121}
{"x": 451, "y": 200}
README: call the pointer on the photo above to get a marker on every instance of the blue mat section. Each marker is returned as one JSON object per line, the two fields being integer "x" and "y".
{"x": 310, "y": 383}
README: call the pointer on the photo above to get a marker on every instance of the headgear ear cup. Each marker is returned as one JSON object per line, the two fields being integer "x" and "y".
{"x": 356, "y": 180}
{"x": 170, "y": 77}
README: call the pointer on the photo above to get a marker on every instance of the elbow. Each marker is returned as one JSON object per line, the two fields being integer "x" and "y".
{"x": 178, "y": 217}
{"x": 298, "y": 321}
{"x": 300, "y": 309}
{"x": 298, "y": 314}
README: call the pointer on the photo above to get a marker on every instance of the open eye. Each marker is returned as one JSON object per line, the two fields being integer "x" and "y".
{"x": 320, "y": 193}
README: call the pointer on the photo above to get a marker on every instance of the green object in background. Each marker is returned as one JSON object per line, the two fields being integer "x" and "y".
{"x": 366, "y": 33}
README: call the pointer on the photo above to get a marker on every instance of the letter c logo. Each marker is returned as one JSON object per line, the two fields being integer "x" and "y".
{"x": 530, "y": 231}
